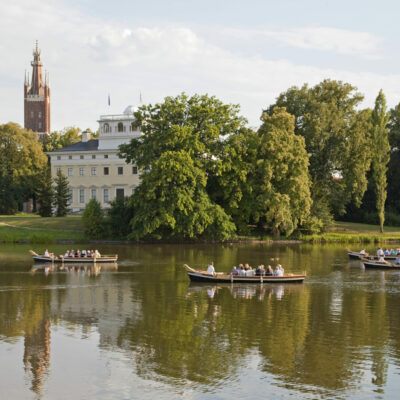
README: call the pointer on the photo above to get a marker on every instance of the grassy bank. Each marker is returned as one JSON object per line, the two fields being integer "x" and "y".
{"x": 34, "y": 229}
{"x": 351, "y": 232}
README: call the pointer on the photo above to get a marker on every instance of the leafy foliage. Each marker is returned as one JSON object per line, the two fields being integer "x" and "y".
{"x": 119, "y": 215}
{"x": 61, "y": 196}
{"x": 279, "y": 174}
{"x": 380, "y": 138}
{"x": 336, "y": 134}
{"x": 92, "y": 219}
{"x": 21, "y": 161}
{"x": 182, "y": 149}
{"x": 64, "y": 138}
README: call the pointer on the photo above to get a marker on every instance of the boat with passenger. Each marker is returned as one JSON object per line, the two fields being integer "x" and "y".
{"x": 220, "y": 277}
{"x": 95, "y": 258}
{"x": 357, "y": 255}
{"x": 379, "y": 264}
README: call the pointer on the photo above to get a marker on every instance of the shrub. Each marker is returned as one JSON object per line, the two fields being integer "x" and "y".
{"x": 93, "y": 220}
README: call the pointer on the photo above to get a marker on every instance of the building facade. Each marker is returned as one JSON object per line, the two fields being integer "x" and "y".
{"x": 37, "y": 98}
{"x": 93, "y": 167}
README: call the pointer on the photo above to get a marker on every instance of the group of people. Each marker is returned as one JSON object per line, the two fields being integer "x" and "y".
{"x": 247, "y": 270}
{"x": 82, "y": 253}
{"x": 381, "y": 254}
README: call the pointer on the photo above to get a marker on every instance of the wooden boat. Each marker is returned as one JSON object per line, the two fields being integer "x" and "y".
{"x": 355, "y": 255}
{"x": 103, "y": 259}
{"x": 202, "y": 276}
{"x": 379, "y": 264}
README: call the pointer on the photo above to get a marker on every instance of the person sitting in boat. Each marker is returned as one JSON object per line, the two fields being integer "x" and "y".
{"x": 381, "y": 259}
{"x": 83, "y": 253}
{"x": 97, "y": 254}
{"x": 387, "y": 252}
{"x": 362, "y": 252}
{"x": 46, "y": 253}
{"x": 397, "y": 261}
{"x": 78, "y": 253}
{"x": 392, "y": 252}
{"x": 246, "y": 267}
{"x": 269, "y": 271}
{"x": 234, "y": 271}
{"x": 260, "y": 271}
{"x": 66, "y": 254}
{"x": 211, "y": 269}
{"x": 278, "y": 270}
{"x": 242, "y": 271}
{"x": 380, "y": 252}
{"x": 250, "y": 272}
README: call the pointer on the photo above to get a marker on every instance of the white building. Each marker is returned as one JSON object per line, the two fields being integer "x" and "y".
{"x": 93, "y": 167}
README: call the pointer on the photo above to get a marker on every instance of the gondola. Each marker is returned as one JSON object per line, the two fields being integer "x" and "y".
{"x": 202, "y": 276}
{"x": 379, "y": 264}
{"x": 73, "y": 260}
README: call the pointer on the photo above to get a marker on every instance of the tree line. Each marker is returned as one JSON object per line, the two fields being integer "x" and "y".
{"x": 317, "y": 156}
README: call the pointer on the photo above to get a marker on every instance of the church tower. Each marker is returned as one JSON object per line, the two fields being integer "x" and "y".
{"x": 37, "y": 98}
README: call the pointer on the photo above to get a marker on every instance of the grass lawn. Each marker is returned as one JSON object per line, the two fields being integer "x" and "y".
{"x": 35, "y": 229}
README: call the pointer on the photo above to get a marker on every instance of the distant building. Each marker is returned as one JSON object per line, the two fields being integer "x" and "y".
{"x": 37, "y": 98}
{"x": 93, "y": 167}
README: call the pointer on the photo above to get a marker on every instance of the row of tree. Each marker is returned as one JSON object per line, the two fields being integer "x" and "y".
{"x": 204, "y": 173}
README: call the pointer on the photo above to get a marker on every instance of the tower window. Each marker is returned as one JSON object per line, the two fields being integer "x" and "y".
{"x": 40, "y": 125}
{"x": 134, "y": 126}
{"x": 40, "y": 114}
{"x": 120, "y": 127}
{"x": 106, "y": 128}
{"x": 32, "y": 114}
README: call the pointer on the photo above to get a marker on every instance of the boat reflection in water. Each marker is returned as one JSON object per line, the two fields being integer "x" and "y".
{"x": 245, "y": 291}
{"x": 84, "y": 269}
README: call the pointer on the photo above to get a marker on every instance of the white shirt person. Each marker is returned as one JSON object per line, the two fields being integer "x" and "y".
{"x": 211, "y": 269}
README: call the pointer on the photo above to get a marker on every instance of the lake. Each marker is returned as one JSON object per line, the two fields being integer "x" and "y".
{"x": 141, "y": 330}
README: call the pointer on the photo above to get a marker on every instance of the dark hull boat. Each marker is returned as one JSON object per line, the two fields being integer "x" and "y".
{"x": 202, "y": 276}
{"x": 379, "y": 264}
{"x": 73, "y": 260}
{"x": 357, "y": 256}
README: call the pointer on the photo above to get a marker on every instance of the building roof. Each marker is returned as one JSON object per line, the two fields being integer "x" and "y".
{"x": 90, "y": 145}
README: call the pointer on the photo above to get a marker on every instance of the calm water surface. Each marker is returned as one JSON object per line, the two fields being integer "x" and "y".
{"x": 142, "y": 331}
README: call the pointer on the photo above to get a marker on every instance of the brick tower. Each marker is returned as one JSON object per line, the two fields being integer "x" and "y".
{"x": 37, "y": 98}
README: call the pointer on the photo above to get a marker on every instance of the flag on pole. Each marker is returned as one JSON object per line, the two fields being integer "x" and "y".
{"x": 109, "y": 101}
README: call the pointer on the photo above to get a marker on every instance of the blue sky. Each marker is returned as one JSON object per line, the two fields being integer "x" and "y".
{"x": 244, "y": 52}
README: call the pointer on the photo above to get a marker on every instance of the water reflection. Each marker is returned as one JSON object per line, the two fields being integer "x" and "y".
{"x": 81, "y": 268}
{"x": 336, "y": 335}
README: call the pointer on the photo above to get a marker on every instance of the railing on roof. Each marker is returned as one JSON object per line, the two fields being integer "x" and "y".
{"x": 113, "y": 117}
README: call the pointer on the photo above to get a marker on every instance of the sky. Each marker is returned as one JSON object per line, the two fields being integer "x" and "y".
{"x": 242, "y": 52}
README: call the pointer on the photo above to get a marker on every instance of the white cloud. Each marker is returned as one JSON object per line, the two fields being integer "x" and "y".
{"x": 89, "y": 57}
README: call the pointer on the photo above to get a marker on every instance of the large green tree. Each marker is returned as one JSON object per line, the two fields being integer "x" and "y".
{"x": 92, "y": 219}
{"x": 21, "y": 161}
{"x": 393, "y": 174}
{"x": 380, "y": 159}
{"x": 279, "y": 175}
{"x": 336, "y": 134}
{"x": 61, "y": 196}
{"x": 182, "y": 149}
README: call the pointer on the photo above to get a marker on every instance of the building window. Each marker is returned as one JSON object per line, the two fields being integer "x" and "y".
{"x": 105, "y": 155}
{"x": 120, "y": 170}
{"x": 81, "y": 171}
{"x": 93, "y": 156}
{"x": 106, "y": 170}
{"x": 82, "y": 196}
{"x": 133, "y": 190}
{"x": 134, "y": 126}
{"x": 106, "y": 196}
{"x": 81, "y": 157}
{"x": 58, "y": 157}
{"x": 94, "y": 171}
{"x": 93, "y": 194}
{"x": 106, "y": 128}
{"x": 40, "y": 125}
{"x": 70, "y": 171}
{"x": 70, "y": 196}
{"x": 120, "y": 127}
{"x": 40, "y": 114}
{"x": 69, "y": 157}
{"x": 58, "y": 169}
{"x": 32, "y": 114}
{"x": 134, "y": 170}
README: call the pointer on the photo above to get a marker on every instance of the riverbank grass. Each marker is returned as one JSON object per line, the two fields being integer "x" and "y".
{"x": 34, "y": 229}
